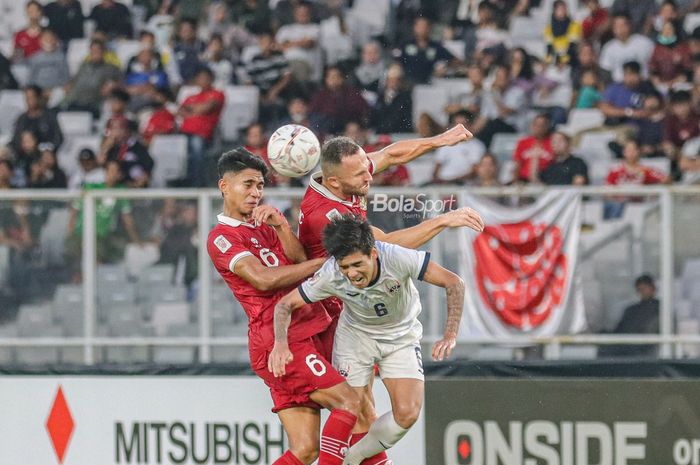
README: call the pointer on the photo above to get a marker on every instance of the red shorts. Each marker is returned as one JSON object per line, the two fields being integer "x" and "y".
{"x": 309, "y": 371}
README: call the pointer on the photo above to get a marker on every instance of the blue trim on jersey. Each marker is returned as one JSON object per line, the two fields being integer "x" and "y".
{"x": 303, "y": 295}
{"x": 424, "y": 266}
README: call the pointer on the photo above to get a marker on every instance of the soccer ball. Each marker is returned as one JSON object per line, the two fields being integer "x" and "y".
{"x": 293, "y": 150}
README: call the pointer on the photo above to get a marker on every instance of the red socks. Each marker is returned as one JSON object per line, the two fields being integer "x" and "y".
{"x": 374, "y": 460}
{"x": 335, "y": 436}
{"x": 287, "y": 459}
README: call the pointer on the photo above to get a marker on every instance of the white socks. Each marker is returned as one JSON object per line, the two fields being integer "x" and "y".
{"x": 382, "y": 435}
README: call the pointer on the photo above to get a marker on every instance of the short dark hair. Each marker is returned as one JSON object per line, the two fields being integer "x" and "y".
{"x": 680, "y": 96}
{"x": 336, "y": 149}
{"x": 206, "y": 70}
{"x": 622, "y": 15}
{"x": 632, "y": 66}
{"x": 239, "y": 159}
{"x": 644, "y": 279}
{"x": 121, "y": 95}
{"x": 35, "y": 89}
{"x": 346, "y": 235}
{"x": 466, "y": 114}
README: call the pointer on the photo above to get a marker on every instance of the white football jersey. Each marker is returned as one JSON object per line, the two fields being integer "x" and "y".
{"x": 388, "y": 308}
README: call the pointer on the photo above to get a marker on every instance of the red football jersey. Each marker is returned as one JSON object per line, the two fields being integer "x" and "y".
{"x": 620, "y": 175}
{"x": 231, "y": 240}
{"x": 318, "y": 207}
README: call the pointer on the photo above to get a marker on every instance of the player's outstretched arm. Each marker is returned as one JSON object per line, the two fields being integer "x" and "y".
{"x": 418, "y": 235}
{"x": 268, "y": 278}
{"x": 404, "y": 151}
{"x": 454, "y": 287}
{"x": 273, "y": 217}
{"x": 281, "y": 355}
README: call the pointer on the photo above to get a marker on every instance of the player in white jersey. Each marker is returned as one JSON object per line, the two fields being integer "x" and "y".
{"x": 379, "y": 323}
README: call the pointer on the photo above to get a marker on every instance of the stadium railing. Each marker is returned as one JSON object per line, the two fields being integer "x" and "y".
{"x": 193, "y": 328}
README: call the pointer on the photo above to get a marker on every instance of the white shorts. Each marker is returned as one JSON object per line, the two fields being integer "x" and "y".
{"x": 355, "y": 354}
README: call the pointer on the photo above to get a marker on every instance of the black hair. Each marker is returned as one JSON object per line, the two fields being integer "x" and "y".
{"x": 205, "y": 69}
{"x": 239, "y": 159}
{"x": 100, "y": 43}
{"x": 346, "y": 235}
{"x": 36, "y": 90}
{"x": 632, "y": 66}
{"x": 466, "y": 114}
{"x": 644, "y": 279}
{"x": 121, "y": 95}
{"x": 622, "y": 15}
{"x": 680, "y": 96}
{"x": 192, "y": 22}
{"x": 336, "y": 149}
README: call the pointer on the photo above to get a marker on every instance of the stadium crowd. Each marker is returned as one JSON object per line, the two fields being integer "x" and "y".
{"x": 636, "y": 65}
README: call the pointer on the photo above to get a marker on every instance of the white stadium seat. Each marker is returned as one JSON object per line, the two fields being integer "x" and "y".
{"x": 240, "y": 110}
{"x": 431, "y": 100}
{"x": 169, "y": 154}
{"x": 13, "y": 104}
{"x": 77, "y": 123}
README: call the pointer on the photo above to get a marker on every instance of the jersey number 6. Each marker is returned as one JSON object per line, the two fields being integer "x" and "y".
{"x": 317, "y": 367}
{"x": 269, "y": 258}
{"x": 380, "y": 309}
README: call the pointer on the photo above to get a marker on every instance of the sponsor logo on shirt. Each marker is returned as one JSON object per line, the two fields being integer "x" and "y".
{"x": 333, "y": 214}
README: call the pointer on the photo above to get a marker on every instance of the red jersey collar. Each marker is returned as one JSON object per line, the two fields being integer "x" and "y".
{"x": 228, "y": 221}
{"x": 321, "y": 189}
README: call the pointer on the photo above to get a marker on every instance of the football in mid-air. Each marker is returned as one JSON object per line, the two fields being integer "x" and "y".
{"x": 293, "y": 150}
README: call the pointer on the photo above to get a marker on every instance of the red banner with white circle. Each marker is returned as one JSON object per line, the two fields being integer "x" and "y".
{"x": 521, "y": 270}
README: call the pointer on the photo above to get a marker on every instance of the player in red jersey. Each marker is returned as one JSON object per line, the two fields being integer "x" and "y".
{"x": 342, "y": 187}
{"x": 261, "y": 260}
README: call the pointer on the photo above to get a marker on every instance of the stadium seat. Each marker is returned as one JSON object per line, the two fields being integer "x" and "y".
{"x": 689, "y": 327}
{"x": 578, "y": 352}
{"x": 125, "y": 49}
{"x": 692, "y": 21}
{"x": 139, "y": 257}
{"x": 167, "y": 314}
{"x": 111, "y": 274}
{"x": 128, "y": 354}
{"x": 13, "y": 105}
{"x": 240, "y": 110}
{"x": 503, "y": 145}
{"x": 31, "y": 314}
{"x": 7, "y": 354}
{"x": 186, "y": 91}
{"x": 174, "y": 354}
{"x": 72, "y": 145}
{"x": 53, "y": 236}
{"x": 6, "y": 47}
{"x": 78, "y": 50}
{"x": 420, "y": 172}
{"x": 491, "y": 352}
{"x": 581, "y": 119}
{"x": 78, "y": 123}
{"x": 523, "y": 28}
{"x": 38, "y": 354}
{"x": 431, "y": 100}
{"x": 4, "y": 264}
{"x": 169, "y": 154}
{"x": 455, "y": 87}
{"x": 372, "y": 13}
{"x": 21, "y": 74}
{"x": 534, "y": 47}
{"x": 456, "y": 48}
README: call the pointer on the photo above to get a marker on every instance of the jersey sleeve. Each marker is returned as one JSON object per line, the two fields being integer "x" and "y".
{"x": 320, "y": 285}
{"x": 225, "y": 251}
{"x": 409, "y": 262}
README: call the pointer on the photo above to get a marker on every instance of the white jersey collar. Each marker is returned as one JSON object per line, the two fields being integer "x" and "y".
{"x": 321, "y": 189}
{"x": 228, "y": 221}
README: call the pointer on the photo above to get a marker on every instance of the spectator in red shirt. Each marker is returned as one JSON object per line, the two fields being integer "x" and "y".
{"x": 596, "y": 26}
{"x": 629, "y": 172}
{"x": 670, "y": 61}
{"x": 161, "y": 120}
{"x": 681, "y": 125}
{"x": 534, "y": 152}
{"x": 200, "y": 116}
{"x": 28, "y": 40}
{"x": 337, "y": 103}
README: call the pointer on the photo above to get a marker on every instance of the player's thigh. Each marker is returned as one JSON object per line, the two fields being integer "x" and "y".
{"x": 302, "y": 425}
{"x": 406, "y": 396}
{"x": 354, "y": 355}
{"x": 367, "y": 413}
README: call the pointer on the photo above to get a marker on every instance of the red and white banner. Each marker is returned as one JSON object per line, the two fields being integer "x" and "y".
{"x": 520, "y": 273}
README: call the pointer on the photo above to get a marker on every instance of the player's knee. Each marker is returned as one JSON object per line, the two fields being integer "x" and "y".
{"x": 306, "y": 452}
{"x": 406, "y": 414}
{"x": 350, "y": 401}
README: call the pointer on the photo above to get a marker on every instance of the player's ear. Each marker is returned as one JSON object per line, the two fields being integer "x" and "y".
{"x": 333, "y": 181}
{"x": 222, "y": 186}
{"x": 374, "y": 254}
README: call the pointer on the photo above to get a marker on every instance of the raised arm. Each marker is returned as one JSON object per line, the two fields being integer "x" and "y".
{"x": 404, "y": 151}
{"x": 418, "y": 235}
{"x": 290, "y": 243}
{"x": 268, "y": 278}
{"x": 454, "y": 288}
{"x": 281, "y": 355}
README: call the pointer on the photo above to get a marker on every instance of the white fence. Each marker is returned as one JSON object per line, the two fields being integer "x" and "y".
{"x": 645, "y": 239}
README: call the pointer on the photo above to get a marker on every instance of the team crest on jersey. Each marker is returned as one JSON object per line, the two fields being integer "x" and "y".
{"x": 392, "y": 285}
{"x": 333, "y": 214}
{"x": 255, "y": 242}
{"x": 222, "y": 244}
{"x": 344, "y": 369}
